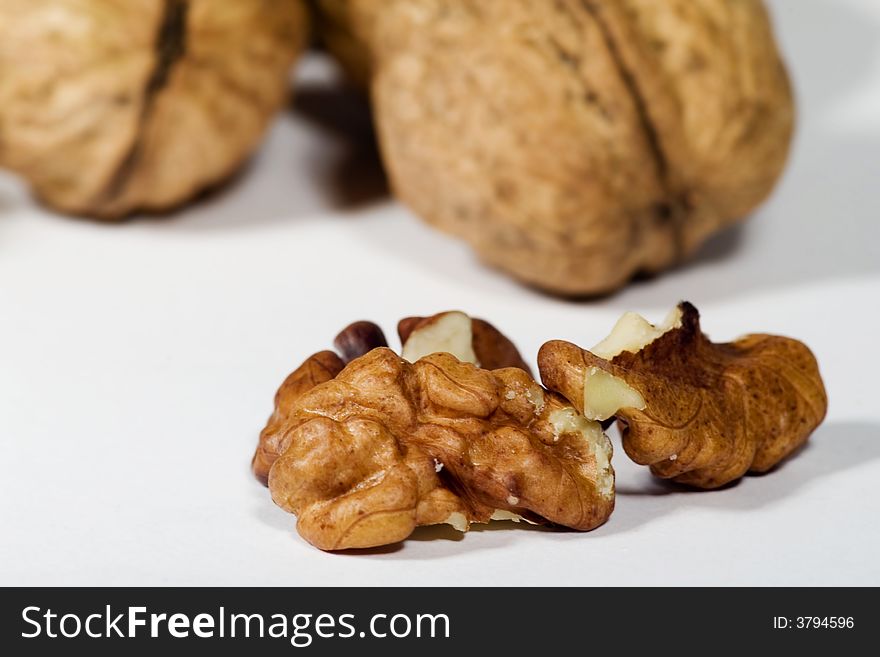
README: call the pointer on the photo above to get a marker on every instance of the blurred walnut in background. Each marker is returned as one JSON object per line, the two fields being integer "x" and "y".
{"x": 110, "y": 106}
{"x": 573, "y": 143}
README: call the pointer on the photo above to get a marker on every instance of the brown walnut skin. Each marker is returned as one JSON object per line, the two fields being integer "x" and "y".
{"x": 574, "y": 143}
{"x": 358, "y": 338}
{"x": 317, "y": 368}
{"x": 109, "y": 107}
{"x": 493, "y": 349}
{"x": 713, "y": 411}
{"x": 360, "y": 453}
{"x": 352, "y": 342}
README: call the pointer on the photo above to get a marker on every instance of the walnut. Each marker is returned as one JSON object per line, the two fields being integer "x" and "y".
{"x": 389, "y": 445}
{"x": 697, "y": 412}
{"x": 451, "y": 331}
{"x": 365, "y": 452}
{"x": 358, "y": 338}
{"x": 573, "y": 143}
{"x": 111, "y": 107}
{"x": 317, "y": 368}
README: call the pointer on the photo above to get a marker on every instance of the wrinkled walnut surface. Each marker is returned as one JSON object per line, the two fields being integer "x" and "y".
{"x": 469, "y": 339}
{"x": 318, "y": 368}
{"x": 712, "y": 411}
{"x": 387, "y": 445}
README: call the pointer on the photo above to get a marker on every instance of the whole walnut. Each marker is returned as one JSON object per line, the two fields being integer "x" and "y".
{"x": 573, "y": 143}
{"x": 110, "y": 107}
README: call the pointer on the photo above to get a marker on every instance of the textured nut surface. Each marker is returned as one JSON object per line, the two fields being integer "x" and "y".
{"x": 388, "y": 445}
{"x": 444, "y": 332}
{"x": 574, "y": 143}
{"x": 110, "y": 107}
{"x": 712, "y": 412}
{"x": 317, "y": 368}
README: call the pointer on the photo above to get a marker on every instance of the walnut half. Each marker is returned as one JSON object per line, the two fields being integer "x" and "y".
{"x": 389, "y": 445}
{"x": 365, "y": 452}
{"x": 469, "y": 339}
{"x": 697, "y": 412}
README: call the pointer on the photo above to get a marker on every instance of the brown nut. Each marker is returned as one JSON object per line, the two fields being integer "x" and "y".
{"x": 573, "y": 143}
{"x": 389, "y": 445}
{"x": 468, "y": 339}
{"x": 358, "y": 338}
{"x": 443, "y": 332}
{"x": 318, "y": 368}
{"x": 110, "y": 107}
{"x": 697, "y": 412}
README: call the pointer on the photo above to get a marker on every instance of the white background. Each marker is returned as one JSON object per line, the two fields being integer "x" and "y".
{"x": 138, "y": 362}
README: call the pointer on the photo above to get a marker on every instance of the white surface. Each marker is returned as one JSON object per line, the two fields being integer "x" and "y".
{"x": 138, "y": 364}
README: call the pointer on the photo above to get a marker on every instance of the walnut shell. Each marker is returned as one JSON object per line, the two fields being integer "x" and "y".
{"x": 111, "y": 107}
{"x": 574, "y": 143}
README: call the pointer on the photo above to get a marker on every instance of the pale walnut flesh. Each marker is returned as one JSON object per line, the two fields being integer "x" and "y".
{"x": 633, "y": 332}
{"x": 605, "y": 394}
{"x": 469, "y": 339}
{"x": 703, "y": 414}
{"x": 450, "y": 332}
{"x": 387, "y": 445}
